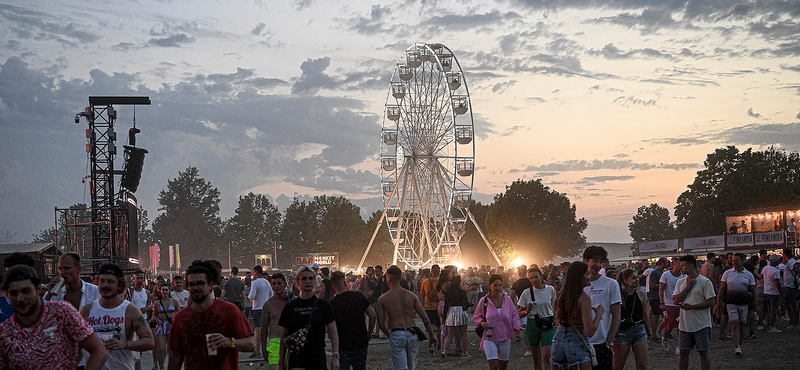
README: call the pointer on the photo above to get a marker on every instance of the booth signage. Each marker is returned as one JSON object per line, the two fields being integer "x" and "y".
{"x": 769, "y": 238}
{"x": 739, "y": 240}
{"x": 330, "y": 260}
{"x": 706, "y": 242}
{"x": 658, "y": 246}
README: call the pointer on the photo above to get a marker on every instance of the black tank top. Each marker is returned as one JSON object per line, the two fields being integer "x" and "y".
{"x": 632, "y": 307}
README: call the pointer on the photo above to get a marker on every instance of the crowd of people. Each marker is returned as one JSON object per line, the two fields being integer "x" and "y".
{"x": 585, "y": 314}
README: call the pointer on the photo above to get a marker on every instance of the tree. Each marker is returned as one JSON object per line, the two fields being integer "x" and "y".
{"x": 45, "y": 236}
{"x": 733, "y": 181}
{"x": 531, "y": 218}
{"x": 253, "y": 229}
{"x": 298, "y": 231}
{"x": 652, "y": 223}
{"x": 382, "y": 250}
{"x": 340, "y": 228}
{"x": 190, "y": 217}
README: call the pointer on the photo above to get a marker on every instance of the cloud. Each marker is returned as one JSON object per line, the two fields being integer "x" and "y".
{"x": 462, "y": 22}
{"x": 590, "y": 180}
{"x": 313, "y": 77}
{"x": 791, "y": 68}
{"x": 680, "y": 141}
{"x": 501, "y": 87}
{"x": 648, "y": 21}
{"x": 174, "y": 41}
{"x": 612, "y": 52}
{"x": 753, "y": 114}
{"x": 628, "y": 101}
{"x": 30, "y": 24}
{"x": 784, "y": 135}
{"x": 258, "y": 29}
{"x": 573, "y": 165}
{"x": 515, "y": 129}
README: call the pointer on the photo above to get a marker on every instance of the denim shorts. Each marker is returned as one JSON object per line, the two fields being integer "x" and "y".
{"x": 737, "y": 313}
{"x": 773, "y": 303}
{"x": 790, "y": 296}
{"x": 631, "y": 335}
{"x": 569, "y": 347}
{"x": 699, "y": 340}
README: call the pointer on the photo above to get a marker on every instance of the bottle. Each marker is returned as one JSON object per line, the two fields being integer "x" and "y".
{"x": 489, "y": 331}
{"x": 57, "y": 288}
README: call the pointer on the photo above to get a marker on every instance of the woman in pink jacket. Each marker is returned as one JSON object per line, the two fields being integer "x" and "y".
{"x": 498, "y": 315}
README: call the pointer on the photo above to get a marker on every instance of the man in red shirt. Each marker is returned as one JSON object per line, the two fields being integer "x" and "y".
{"x": 43, "y": 335}
{"x": 209, "y": 333}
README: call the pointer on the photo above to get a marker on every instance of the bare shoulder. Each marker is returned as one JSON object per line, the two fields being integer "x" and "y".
{"x": 132, "y": 312}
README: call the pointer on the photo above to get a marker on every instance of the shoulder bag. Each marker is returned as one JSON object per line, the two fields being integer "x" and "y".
{"x": 543, "y": 323}
{"x": 479, "y": 327}
{"x": 297, "y": 340}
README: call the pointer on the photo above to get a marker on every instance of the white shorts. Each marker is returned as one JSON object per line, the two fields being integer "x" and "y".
{"x": 497, "y": 350}
{"x": 737, "y": 313}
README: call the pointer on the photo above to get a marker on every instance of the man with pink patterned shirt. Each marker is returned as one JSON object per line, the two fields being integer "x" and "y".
{"x": 43, "y": 335}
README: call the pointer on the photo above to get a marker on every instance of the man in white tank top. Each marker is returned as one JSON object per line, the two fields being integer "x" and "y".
{"x": 115, "y": 320}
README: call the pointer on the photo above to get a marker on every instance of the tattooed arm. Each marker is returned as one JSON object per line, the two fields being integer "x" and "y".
{"x": 135, "y": 323}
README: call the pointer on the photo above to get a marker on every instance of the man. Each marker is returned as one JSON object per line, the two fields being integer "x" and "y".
{"x": 180, "y": 294}
{"x": 317, "y": 314}
{"x": 43, "y": 335}
{"x": 603, "y": 291}
{"x": 431, "y": 298}
{"x": 396, "y": 311}
{"x": 695, "y": 294}
{"x": 75, "y": 291}
{"x": 738, "y": 289}
{"x": 354, "y": 334}
{"x": 708, "y": 267}
{"x": 367, "y": 282}
{"x": 260, "y": 292}
{"x": 115, "y": 320}
{"x": 743, "y": 228}
{"x": 788, "y": 283}
{"x": 138, "y": 295}
{"x": 233, "y": 290}
{"x": 270, "y": 315}
{"x": 383, "y": 287}
{"x": 210, "y": 332}
{"x": 326, "y": 290}
{"x": 522, "y": 282}
{"x": 772, "y": 292}
{"x": 652, "y": 290}
{"x": 666, "y": 288}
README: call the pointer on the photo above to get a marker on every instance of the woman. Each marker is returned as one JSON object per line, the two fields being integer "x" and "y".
{"x": 441, "y": 289}
{"x": 633, "y": 329}
{"x": 248, "y": 304}
{"x": 456, "y": 304}
{"x": 540, "y": 305}
{"x": 499, "y": 317}
{"x": 574, "y": 316}
{"x": 164, "y": 309}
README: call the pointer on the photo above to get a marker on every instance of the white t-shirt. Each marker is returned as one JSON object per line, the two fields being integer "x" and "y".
{"x": 603, "y": 291}
{"x": 647, "y": 274}
{"x": 668, "y": 278}
{"x": 260, "y": 292}
{"x": 694, "y": 320}
{"x": 738, "y": 286}
{"x": 770, "y": 273}
{"x": 787, "y": 279}
{"x": 182, "y": 297}
{"x": 545, "y": 300}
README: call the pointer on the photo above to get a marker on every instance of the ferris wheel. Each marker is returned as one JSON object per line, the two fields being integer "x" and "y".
{"x": 427, "y": 157}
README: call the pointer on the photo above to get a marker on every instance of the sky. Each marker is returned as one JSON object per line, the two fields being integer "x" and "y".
{"x": 614, "y": 103}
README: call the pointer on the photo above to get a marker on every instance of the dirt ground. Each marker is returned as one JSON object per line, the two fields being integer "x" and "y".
{"x": 760, "y": 353}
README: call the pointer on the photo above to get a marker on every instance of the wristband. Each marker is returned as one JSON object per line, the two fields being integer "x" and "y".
{"x": 233, "y": 342}
{"x": 335, "y": 354}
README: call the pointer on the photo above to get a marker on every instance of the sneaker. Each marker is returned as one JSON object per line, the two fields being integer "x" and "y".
{"x": 775, "y": 330}
{"x": 444, "y": 354}
{"x": 255, "y": 355}
{"x": 760, "y": 327}
{"x": 751, "y": 336}
{"x": 528, "y": 353}
{"x": 664, "y": 344}
{"x": 738, "y": 352}
{"x": 677, "y": 351}
{"x": 465, "y": 355}
{"x": 788, "y": 327}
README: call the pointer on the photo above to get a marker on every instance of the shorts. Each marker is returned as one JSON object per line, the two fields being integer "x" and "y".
{"x": 569, "y": 347}
{"x": 671, "y": 321}
{"x": 497, "y": 350}
{"x": 274, "y": 351}
{"x": 256, "y": 318}
{"x": 699, "y": 340}
{"x": 737, "y": 313}
{"x": 239, "y": 305}
{"x": 433, "y": 316}
{"x": 629, "y": 337}
{"x": 248, "y": 313}
{"x": 790, "y": 296}
{"x": 773, "y": 303}
{"x": 655, "y": 307}
{"x": 760, "y": 293}
{"x": 537, "y": 337}
{"x": 164, "y": 328}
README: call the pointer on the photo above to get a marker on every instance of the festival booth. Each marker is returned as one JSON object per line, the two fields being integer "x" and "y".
{"x": 765, "y": 228}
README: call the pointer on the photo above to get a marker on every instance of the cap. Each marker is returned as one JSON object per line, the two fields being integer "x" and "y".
{"x": 775, "y": 257}
{"x": 314, "y": 265}
{"x": 111, "y": 269}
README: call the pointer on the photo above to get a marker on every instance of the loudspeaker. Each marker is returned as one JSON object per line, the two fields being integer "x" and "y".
{"x": 132, "y": 173}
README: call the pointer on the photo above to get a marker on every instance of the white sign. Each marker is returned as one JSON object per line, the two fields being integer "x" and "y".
{"x": 769, "y": 238}
{"x": 659, "y": 246}
{"x": 739, "y": 240}
{"x": 706, "y": 242}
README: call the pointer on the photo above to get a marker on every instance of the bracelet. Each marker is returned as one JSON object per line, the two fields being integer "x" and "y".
{"x": 233, "y": 342}
{"x": 335, "y": 354}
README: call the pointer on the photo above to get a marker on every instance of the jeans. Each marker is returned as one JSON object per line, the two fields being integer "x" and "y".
{"x": 356, "y": 358}
{"x": 404, "y": 346}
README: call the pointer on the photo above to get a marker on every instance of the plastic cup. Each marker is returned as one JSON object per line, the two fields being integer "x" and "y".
{"x": 211, "y": 352}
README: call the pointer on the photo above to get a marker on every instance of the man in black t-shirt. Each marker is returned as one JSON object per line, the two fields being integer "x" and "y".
{"x": 354, "y": 334}
{"x": 296, "y": 315}
{"x": 522, "y": 282}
